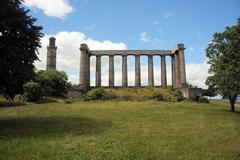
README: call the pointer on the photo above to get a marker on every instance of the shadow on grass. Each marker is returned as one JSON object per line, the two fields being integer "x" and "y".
{"x": 11, "y": 103}
{"x": 27, "y": 127}
{"x": 234, "y": 112}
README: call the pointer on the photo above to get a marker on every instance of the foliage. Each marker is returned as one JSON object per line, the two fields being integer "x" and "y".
{"x": 178, "y": 95}
{"x": 224, "y": 57}
{"x": 32, "y": 91}
{"x": 80, "y": 88}
{"x": 209, "y": 92}
{"x": 53, "y": 82}
{"x": 19, "y": 40}
{"x": 99, "y": 94}
{"x": 158, "y": 96}
{"x": 203, "y": 100}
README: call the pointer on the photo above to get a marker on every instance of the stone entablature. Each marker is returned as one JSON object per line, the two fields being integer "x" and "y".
{"x": 129, "y": 52}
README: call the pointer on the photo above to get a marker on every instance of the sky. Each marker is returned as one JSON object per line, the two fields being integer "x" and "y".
{"x": 132, "y": 24}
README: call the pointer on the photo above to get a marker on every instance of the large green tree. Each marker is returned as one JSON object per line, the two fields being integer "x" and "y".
{"x": 19, "y": 40}
{"x": 53, "y": 83}
{"x": 224, "y": 57}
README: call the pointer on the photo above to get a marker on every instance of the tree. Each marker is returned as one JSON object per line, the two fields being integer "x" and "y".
{"x": 32, "y": 91}
{"x": 19, "y": 40}
{"x": 53, "y": 82}
{"x": 224, "y": 57}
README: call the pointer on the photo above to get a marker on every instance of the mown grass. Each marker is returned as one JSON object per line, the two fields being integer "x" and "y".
{"x": 143, "y": 93}
{"x": 120, "y": 130}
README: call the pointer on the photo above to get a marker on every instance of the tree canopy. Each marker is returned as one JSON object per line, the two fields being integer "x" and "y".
{"x": 223, "y": 55}
{"x": 54, "y": 83}
{"x": 19, "y": 42}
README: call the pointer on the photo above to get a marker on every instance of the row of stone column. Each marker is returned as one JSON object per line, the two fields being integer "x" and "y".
{"x": 177, "y": 60}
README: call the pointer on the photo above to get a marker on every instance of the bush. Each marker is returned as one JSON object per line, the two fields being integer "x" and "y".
{"x": 203, "y": 100}
{"x": 125, "y": 98}
{"x": 32, "y": 91}
{"x": 99, "y": 94}
{"x": 158, "y": 96}
{"x": 178, "y": 95}
{"x": 54, "y": 83}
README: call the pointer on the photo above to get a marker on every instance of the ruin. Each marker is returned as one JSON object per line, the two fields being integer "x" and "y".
{"x": 178, "y": 70}
{"x": 177, "y": 60}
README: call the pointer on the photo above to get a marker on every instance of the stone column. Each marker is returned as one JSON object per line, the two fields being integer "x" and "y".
{"x": 173, "y": 71}
{"x": 111, "y": 71}
{"x": 177, "y": 75}
{"x": 137, "y": 71}
{"x": 88, "y": 70}
{"x": 150, "y": 71}
{"x": 83, "y": 66}
{"x": 182, "y": 70}
{"x": 98, "y": 70}
{"x": 163, "y": 71}
{"x": 124, "y": 71}
{"x": 51, "y": 54}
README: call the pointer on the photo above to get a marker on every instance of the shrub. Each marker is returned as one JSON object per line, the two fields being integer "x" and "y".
{"x": 32, "y": 91}
{"x": 54, "y": 83}
{"x": 169, "y": 98}
{"x": 158, "y": 96}
{"x": 203, "y": 100}
{"x": 178, "y": 95}
{"x": 99, "y": 94}
{"x": 125, "y": 98}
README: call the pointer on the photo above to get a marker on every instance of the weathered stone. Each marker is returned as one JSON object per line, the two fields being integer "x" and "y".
{"x": 163, "y": 71}
{"x": 150, "y": 71}
{"x": 98, "y": 71}
{"x": 111, "y": 71}
{"x": 182, "y": 70}
{"x": 137, "y": 71}
{"x": 173, "y": 71}
{"x": 124, "y": 71}
{"x": 51, "y": 54}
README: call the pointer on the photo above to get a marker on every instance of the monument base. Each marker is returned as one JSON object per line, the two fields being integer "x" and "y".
{"x": 191, "y": 92}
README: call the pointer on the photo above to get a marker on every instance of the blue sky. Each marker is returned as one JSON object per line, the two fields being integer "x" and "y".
{"x": 145, "y": 24}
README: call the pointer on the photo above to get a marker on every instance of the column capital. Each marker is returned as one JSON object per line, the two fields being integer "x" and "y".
{"x": 180, "y": 46}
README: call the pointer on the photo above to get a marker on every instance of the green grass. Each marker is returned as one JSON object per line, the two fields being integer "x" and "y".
{"x": 120, "y": 130}
{"x": 143, "y": 93}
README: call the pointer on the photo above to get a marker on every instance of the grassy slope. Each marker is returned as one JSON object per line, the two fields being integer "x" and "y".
{"x": 120, "y": 130}
{"x": 143, "y": 93}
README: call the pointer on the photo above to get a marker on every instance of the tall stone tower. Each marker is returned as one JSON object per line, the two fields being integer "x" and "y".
{"x": 51, "y": 54}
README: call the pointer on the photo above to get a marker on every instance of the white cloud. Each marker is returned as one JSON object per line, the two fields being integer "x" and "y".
{"x": 52, "y": 8}
{"x": 68, "y": 53}
{"x": 197, "y": 74}
{"x": 168, "y": 15}
{"x": 144, "y": 37}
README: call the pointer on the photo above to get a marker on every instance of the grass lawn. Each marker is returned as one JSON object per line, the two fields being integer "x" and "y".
{"x": 120, "y": 130}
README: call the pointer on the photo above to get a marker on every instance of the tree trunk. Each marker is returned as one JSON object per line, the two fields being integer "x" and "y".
{"x": 232, "y": 106}
{"x": 232, "y": 102}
